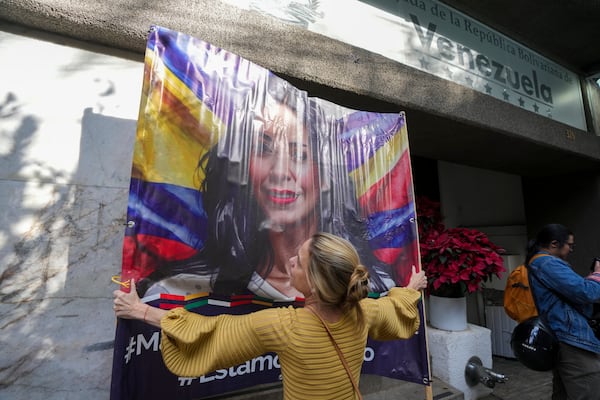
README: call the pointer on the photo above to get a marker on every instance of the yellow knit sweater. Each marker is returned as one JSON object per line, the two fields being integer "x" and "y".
{"x": 194, "y": 345}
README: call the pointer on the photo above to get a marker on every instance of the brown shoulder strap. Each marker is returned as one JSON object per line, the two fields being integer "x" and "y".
{"x": 340, "y": 354}
{"x": 538, "y": 256}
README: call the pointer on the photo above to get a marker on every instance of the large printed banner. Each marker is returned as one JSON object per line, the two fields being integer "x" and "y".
{"x": 233, "y": 169}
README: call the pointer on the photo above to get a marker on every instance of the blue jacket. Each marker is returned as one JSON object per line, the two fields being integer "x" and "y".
{"x": 553, "y": 282}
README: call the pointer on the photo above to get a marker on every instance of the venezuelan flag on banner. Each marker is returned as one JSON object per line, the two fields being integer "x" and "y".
{"x": 233, "y": 169}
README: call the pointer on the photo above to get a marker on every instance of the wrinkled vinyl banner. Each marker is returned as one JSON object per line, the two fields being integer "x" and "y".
{"x": 234, "y": 168}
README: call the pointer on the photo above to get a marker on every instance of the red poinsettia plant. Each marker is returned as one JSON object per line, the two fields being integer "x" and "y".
{"x": 456, "y": 260}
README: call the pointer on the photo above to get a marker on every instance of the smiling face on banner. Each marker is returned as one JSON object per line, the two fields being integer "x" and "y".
{"x": 283, "y": 172}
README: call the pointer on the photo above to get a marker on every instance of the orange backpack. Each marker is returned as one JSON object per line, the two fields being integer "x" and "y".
{"x": 518, "y": 300}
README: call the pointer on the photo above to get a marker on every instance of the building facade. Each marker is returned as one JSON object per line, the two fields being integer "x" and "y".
{"x": 503, "y": 148}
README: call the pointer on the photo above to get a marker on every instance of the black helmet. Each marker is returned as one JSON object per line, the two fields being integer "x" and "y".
{"x": 534, "y": 345}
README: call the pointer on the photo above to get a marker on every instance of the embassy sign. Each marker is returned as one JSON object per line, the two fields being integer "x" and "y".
{"x": 435, "y": 38}
{"x": 450, "y": 52}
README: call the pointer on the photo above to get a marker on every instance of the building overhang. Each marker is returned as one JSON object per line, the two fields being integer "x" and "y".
{"x": 446, "y": 121}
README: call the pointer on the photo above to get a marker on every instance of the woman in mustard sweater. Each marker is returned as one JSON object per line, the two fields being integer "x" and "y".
{"x": 320, "y": 347}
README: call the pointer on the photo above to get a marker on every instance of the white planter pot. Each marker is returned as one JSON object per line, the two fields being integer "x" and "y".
{"x": 448, "y": 313}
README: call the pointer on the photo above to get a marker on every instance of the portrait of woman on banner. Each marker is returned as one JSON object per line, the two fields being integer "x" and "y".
{"x": 233, "y": 169}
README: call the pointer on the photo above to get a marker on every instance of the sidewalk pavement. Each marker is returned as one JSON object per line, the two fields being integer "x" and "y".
{"x": 522, "y": 384}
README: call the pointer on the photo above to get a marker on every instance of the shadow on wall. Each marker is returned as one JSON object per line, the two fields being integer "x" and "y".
{"x": 60, "y": 241}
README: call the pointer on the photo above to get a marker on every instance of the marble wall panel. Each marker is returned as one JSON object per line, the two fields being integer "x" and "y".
{"x": 67, "y": 125}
